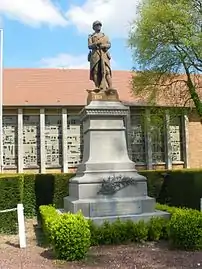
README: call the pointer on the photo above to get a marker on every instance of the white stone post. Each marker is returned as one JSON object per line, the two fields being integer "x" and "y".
{"x": 21, "y": 226}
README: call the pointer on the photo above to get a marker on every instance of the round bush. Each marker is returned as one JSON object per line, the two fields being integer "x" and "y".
{"x": 186, "y": 229}
{"x": 70, "y": 236}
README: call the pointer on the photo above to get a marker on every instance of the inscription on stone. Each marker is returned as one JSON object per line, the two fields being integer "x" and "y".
{"x": 98, "y": 97}
{"x": 115, "y": 208}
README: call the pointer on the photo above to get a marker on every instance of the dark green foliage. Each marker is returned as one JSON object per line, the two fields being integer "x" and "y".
{"x": 154, "y": 181}
{"x": 182, "y": 188}
{"x": 44, "y": 189}
{"x": 61, "y": 188}
{"x": 29, "y": 197}
{"x": 68, "y": 233}
{"x": 10, "y": 196}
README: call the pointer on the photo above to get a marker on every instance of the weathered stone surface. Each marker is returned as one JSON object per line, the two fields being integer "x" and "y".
{"x": 107, "y": 185}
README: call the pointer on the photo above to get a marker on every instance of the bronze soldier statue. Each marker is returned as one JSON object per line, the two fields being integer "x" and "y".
{"x": 99, "y": 58}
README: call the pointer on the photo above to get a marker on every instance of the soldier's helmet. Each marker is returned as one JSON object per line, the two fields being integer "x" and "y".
{"x": 96, "y": 23}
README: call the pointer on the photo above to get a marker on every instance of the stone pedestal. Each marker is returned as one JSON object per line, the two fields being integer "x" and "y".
{"x": 107, "y": 185}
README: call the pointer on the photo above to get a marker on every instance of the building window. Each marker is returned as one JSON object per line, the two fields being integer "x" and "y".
{"x": 31, "y": 141}
{"x": 137, "y": 138}
{"x": 53, "y": 140}
{"x": 157, "y": 131}
{"x": 175, "y": 132}
{"x": 10, "y": 132}
{"x": 74, "y": 141}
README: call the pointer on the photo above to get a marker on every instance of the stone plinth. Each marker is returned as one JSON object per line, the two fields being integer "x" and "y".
{"x": 109, "y": 95}
{"x": 107, "y": 185}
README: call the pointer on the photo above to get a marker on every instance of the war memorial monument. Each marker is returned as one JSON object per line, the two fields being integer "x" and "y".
{"x": 106, "y": 186}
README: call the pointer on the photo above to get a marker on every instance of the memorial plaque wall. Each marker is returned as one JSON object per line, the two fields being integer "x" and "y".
{"x": 137, "y": 138}
{"x": 53, "y": 140}
{"x": 74, "y": 141}
{"x": 10, "y": 141}
{"x": 176, "y": 139}
{"x": 31, "y": 140}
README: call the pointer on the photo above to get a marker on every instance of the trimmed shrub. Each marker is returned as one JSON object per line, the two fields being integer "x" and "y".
{"x": 68, "y": 233}
{"x": 29, "y": 197}
{"x": 61, "y": 188}
{"x": 186, "y": 229}
{"x": 157, "y": 229}
{"x": 10, "y": 196}
{"x": 109, "y": 233}
{"x": 138, "y": 231}
{"x": 48, "y": 216}
{"x": 118, "y": 232}
{"x": 169, "y": 209}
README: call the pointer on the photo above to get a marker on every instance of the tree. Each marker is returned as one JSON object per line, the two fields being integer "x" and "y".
{"x": 166, "y": 42}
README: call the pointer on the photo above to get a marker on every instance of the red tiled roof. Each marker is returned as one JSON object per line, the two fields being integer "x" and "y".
{"x": 67, "y": 87}
{"x": 53, "y": 87}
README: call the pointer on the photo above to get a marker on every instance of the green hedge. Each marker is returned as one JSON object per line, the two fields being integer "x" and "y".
{"x": 183, "y": 231}
{"x": 155, "y": 180}
{"x": 32, "y": 190}
{"x": 179, "y": 188}
{"x": 44, "y": 189}
{"x": 182, "y": 188}
{"x": 10, "y": 196}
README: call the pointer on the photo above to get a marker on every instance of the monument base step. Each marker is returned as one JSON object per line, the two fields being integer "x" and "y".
{"x": 135, "y": 217}
{"x": 110, "y": 206}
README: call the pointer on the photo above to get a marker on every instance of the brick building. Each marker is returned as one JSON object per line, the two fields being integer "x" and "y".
{"x": 41, "y": 124}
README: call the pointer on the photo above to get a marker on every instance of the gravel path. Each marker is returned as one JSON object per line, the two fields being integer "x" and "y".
{"x": 149, "y": 256}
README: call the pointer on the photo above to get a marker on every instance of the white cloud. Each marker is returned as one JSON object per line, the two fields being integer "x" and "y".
{"x": 32, "y": 12}
{"x": 116, "y": 15}
{"x": 64, "y": 60}
{"x": 69, "y": 61}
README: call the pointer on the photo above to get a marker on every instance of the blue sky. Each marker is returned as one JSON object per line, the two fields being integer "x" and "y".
{"x": 53, "y": 33}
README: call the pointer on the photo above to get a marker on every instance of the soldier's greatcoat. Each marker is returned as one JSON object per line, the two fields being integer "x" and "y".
{"x": 96, "y": 54}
